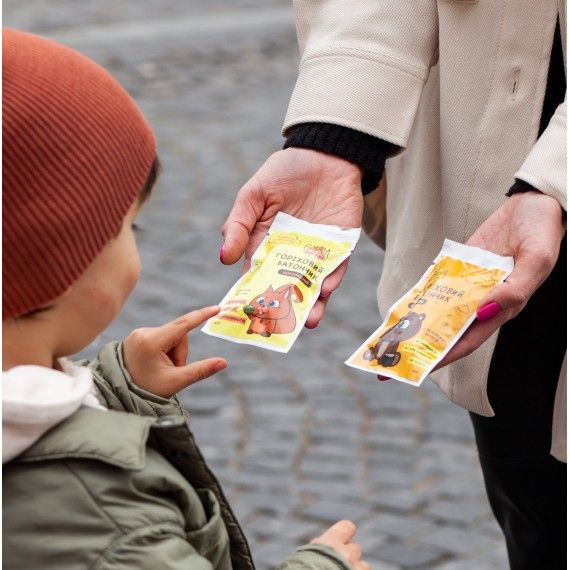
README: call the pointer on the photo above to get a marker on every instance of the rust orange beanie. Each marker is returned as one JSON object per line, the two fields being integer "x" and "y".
{"x": 76, "y": 153}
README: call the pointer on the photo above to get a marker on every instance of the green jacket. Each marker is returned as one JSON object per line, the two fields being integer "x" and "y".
{"x": 125, "y": 488}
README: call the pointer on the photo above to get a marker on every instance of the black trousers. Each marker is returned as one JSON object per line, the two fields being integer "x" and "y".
{"x": 526, "y": 486}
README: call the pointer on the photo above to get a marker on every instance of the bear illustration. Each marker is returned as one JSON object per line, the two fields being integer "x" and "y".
{"x": 385, "y": 351}
{"x": 272, "y": 311}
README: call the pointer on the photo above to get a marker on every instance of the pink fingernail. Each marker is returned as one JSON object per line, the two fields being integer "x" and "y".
{"x": 222, "y": 253}
{"x": 489, "y": 311}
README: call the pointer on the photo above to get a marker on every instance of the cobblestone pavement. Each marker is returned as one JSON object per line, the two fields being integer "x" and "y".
{"x": 299, "y": 440}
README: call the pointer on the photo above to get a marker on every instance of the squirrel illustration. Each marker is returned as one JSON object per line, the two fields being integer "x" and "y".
{"x": 272, "y": 311}
{"x": 386, "y": 349}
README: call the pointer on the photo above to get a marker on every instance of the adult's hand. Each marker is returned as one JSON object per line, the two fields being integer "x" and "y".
{"x": 530, "y": 227}
{"x": 314, "y": 186}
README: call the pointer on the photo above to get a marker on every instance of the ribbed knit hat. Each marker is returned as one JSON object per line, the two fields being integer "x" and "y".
{"x": 76, "y": 154}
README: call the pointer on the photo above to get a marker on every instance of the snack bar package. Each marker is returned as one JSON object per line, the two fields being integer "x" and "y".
{"x": 424, "y": 324}
{"x": 269, "y": 304}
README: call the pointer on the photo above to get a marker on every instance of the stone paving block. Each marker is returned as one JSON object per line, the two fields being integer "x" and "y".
{"x": 403, "y": 501}
{"x": 495, "y": 555}
{"x": 458, "y": 540}
{"x": 469, "y": 564}
{"x": 277, "y": 503}
{"x": 350, "y": 420}
{"x": 331, "y": 434}
{"x": 395, "y": 525}
{"x": 382, "y": 477}
{"x": 392, "y": 459}
{"x": 341, "y": 451}
{"x": 270, "y": 555}
{"x": 381, "y": 404}
{"x": 489, "y": 527}
{"x": 381, "y": 564}
{"x": 205, "y": 405}
{"x": 463, "y": 512}
{"x": 454, "y": 485}
{"x": 409, "y": 557}
{"x": 450, "y": 425}
{"x": 255, "y": 463}
{"x": 327, "y": 470}
{"x": 274, "y": 447}
{"x": 331, "y": 490}
{"x": 331, "y": 512}
{"x": 399, "y": 423}
{"x": 284, "y": 529}
{"x": 390, "y": 441}
{"x": 259, "y": 480}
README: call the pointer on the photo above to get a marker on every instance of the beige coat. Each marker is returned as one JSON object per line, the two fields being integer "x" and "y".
{"x": 460, "y": 84}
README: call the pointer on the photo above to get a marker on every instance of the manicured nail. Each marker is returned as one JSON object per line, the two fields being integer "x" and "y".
{"x": 222, "y": 253}
{"x": 489, "y": 311}
{"x": 383, "y": 378}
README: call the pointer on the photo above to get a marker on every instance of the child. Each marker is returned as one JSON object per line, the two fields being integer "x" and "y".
{"x": 100, "y": 469}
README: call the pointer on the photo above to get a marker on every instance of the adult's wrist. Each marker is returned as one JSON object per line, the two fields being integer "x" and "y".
{"x": 360, "y": 148}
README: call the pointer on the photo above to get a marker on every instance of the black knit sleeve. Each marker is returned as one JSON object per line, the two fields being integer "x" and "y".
{"x": 366, "y": 151}
{"x": 519, "y": 187}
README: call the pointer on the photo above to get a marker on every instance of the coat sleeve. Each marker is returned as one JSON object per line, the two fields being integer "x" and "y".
{"x": 545, "y": 166}
{"x": 118, "y": 389}
{"x": 364, "y": 64}
{"x": 314, "y": 557}
{"x": 149, "y": 550}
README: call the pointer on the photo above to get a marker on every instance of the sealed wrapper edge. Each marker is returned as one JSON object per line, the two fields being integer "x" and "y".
{"x": 454, "y": 250}
{"x": 283, "y": 226}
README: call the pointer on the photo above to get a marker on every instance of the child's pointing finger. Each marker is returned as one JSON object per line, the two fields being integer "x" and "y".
{"x": 172, "y": 332}
{"x": 184, "y": 376}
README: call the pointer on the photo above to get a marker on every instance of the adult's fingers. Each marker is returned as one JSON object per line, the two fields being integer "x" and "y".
{"x": 184, "y": 376}
{"x": 316, "y": 313}
{"x": 473, "y": 338}
{"x": 503, "y": 303}
{"x": 246, "y": 211}
{"x": 333, "y": 281}
{"x": 330, "y": 284}
{"x": 510, "y": 297}
{"x": 171, "y": 333}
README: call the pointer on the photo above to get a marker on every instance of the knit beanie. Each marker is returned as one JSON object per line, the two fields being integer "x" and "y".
{"x": 76, "y": 154}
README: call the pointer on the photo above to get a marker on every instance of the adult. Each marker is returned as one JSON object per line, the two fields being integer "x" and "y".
{"x": 469, "y": 94}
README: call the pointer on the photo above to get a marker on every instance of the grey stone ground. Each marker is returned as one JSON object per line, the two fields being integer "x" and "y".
{"x": 299, "y": 440}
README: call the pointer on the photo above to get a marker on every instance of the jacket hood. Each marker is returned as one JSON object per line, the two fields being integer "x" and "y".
{"x": 36, "y": 398}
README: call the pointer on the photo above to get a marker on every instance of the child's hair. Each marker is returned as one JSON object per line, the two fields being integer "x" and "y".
{"x": 150, "y": 181}
{"x": 77, "y": 153}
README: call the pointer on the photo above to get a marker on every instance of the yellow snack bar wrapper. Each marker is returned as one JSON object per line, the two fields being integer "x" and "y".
{"x": 424, "y": 324}
{"x": 269, "y": 304}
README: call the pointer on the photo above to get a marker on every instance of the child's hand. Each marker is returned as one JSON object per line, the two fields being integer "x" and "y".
{"x": 156, "y": 357}
{"x": 339, "y": 536}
